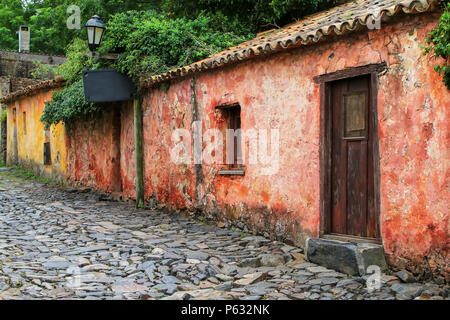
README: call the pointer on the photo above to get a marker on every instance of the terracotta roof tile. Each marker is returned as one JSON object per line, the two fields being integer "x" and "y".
{"x": 30, "y": 90}
{"x": 338, "y": 20}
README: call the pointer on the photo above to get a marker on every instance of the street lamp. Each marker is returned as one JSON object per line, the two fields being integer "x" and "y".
{"x": 104, "y": 85}
{"x": 95, "y": 29}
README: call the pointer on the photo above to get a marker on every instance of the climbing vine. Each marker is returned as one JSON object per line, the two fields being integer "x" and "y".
{"x": 68, "y": 104}
{"x": 438, "y": 42}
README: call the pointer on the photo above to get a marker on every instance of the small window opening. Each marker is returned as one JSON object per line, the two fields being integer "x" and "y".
{"x": 233, "y": 150}
{"x": 24, "y": 119}
{"x": 47, "y": 154}
{"x": 234, "y": 123}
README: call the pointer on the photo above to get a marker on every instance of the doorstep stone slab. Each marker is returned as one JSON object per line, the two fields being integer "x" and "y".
{"x": 346, "y": 257}
{"x": 370, "y": 254}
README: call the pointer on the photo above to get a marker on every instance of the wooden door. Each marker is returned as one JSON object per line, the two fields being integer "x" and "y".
{"x": 352, "y": 174}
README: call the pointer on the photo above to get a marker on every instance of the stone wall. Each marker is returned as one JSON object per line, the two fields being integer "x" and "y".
{"x": 20, "y": 65}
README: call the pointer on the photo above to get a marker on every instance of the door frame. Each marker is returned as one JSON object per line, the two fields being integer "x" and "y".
{"x": 325, "y": 81}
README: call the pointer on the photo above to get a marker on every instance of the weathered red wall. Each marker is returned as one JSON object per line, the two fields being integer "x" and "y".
{"x": 279, "y": 92}
{"x": 165, "y": 181}
{"x": 93, "y": 151}
{"x": 413, "y": 111}
{"x": 127, "y": 156}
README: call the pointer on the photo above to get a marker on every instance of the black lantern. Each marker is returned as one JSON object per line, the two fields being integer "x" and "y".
{"x": 95, "y": 29}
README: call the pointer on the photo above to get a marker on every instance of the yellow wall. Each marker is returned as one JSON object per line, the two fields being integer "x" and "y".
{"x": 31, "y": 136}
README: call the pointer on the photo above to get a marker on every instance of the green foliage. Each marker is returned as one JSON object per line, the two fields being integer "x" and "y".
{"x": 12, "y": 15}
{"x": 152, "y": 43}
{"x": 76, "y": 62}
{"x": 47, "y": 20}
{"x": 43, "y": 71}
{"x": 49, "y": 33}
{"x": 67, "y": 105}
{"x": 70, "y": 103}
{"x": 438, "y": 42}
{"x": 3, "y": 116}
{"x": 253, "y": 15}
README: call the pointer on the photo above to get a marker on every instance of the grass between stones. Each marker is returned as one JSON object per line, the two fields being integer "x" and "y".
{"x": 20, "y": 173}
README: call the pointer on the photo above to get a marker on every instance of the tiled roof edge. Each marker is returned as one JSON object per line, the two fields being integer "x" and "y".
{"x": 31, "y": 90}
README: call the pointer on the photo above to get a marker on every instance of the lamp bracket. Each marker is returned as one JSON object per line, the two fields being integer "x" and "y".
{"x": 107, "y": 56}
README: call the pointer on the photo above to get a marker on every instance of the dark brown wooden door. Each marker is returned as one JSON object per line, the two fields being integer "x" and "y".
{"x": 352, "y": 198}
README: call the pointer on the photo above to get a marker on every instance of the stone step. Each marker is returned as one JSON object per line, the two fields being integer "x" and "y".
{"x": 346, "y": 257}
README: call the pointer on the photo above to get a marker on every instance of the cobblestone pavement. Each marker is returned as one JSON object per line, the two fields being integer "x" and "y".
{"x": 60, "y": 243}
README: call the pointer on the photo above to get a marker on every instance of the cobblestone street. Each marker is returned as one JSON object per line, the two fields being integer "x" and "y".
{"x": 69, "y": 244}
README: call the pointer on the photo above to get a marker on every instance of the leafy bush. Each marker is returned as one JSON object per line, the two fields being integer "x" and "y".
{"x": 151, "y": 43}
{"x": 253, "y": 15}
{"x": 68, "y": 104}
{"x": 47, "y": 20}
{"x": 76, "y": 62}
{"x": 50, "y": 34}
{"x": 43, "y": 71}
{"x": 439, "y": 42}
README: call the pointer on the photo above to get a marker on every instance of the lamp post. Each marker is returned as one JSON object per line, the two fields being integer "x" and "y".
{"x": 95, "y": 29}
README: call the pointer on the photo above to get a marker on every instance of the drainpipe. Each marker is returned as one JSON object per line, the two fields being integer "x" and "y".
{"x": 138, "y": 151}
